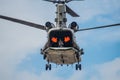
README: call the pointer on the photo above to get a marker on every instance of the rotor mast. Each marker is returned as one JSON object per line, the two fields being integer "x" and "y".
{"x": 61, "y": 11}
{"x": 61, "y": 15}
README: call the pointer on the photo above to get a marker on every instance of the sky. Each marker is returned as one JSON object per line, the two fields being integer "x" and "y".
{"x": 20, "y": 45}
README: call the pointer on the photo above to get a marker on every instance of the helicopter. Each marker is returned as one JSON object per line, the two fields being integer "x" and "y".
{"x": 61, "y": 47}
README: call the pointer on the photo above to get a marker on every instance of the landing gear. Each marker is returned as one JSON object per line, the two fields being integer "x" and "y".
{"x": 48, "y": 67}
{"x": 45, "y": 55}
{"x": 78, "y": 66}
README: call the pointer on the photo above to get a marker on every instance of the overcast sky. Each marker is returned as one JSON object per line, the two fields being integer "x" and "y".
{"x": 20, "y": 45}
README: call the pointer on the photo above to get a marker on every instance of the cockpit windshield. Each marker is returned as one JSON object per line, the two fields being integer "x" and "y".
{"x": 61, "y": 38}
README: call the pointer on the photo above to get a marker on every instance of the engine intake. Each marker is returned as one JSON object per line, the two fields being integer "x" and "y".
{"x": 49, "y": 25}
{"x": 74, "y": 26}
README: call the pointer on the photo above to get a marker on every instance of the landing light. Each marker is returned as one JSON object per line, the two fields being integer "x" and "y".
{"x": 67, "y": 39}
{"x": 54, "y": 39}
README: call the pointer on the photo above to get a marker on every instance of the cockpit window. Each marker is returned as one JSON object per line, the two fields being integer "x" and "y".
{"x": 60, "y": 38}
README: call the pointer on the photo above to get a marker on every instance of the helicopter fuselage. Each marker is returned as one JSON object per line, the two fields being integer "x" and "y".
{"x": 61, "y": 47}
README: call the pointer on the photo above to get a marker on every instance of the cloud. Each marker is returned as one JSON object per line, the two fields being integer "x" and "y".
{"x": 104, "y": 36}
{"x": 109, "y": 70}
{"x": 106, "y": 71}
{"x": 18, "y": 41}
{"x": 90, "y": 9}
{"x": 34, "y": 11}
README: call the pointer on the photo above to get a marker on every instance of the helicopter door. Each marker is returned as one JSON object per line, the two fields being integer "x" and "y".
{"x": 61, "y": 38}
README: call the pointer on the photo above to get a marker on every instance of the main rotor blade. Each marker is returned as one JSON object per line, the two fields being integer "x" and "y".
{"x": 23, "y": 22}
{"x": 71, "y": 12}
{"x": 72, "y": 0}
{"x": 50, "y": 0}
{"x": 61, "y": 1}
{"x": 106, "y": 26}
{"x": 54, "y": 1}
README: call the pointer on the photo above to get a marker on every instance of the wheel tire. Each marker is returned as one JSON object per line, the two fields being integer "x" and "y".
{"x": 50, "y": 67}
{"x": 76, "y": 66}
{"x": 79, "y": 66}
{"x": 46, "y": 67}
